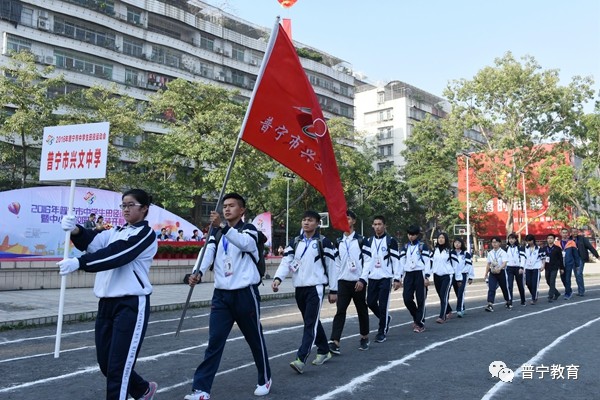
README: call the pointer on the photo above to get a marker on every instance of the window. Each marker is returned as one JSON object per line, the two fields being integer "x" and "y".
{"x": 69, "y": 29}
{"x": 237, "y": 78}
{"x": 380, "y": 97}
{"x": 385, "y": 150}
{"x": 207, "y": 43}
{"x": 131, "y": 77}
{"x": 134, "y": 16}
{"x": 27, "y": 16}
{"x": 17, "y": 44}
{"x": 238, "y": 54}
{"x": 133, "y": 47}
{"x": 384, "y": 165}
{"x": 84, "y": 64}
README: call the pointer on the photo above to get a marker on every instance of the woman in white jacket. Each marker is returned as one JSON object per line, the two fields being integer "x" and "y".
{"x": 463, "y": 265}
{"x": 121, "y": 259}
{"x": 443, "y": 275}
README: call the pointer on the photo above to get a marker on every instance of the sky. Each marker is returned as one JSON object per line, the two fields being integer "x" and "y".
{"x": 428, "y": 44}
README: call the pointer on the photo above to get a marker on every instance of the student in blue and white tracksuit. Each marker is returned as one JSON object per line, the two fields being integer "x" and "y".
{"x": 121, "y": 259}
{"x": 235, "y": 299}
{"x": 310, "y": 272}
{"x": 349, "y": 264}
{"x": 514, "y": 271}
{"x": 495, "y": 274}
{"x": 413, "y": 274}
{"x": 381, "y": 261}
{"x": 463, "y": 265}
{"x": 443, "y": 274}
{"x": 532, "y": 260}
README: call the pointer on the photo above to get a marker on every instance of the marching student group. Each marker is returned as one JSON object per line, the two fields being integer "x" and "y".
{"x": 357, "y": 269}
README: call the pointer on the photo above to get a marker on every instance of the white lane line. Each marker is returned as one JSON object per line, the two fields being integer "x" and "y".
{"x": 155, "y": 357}
{"x": 46, "y": 354}
{"x": 362, "y": 379}
{"x": 535, "y": 359}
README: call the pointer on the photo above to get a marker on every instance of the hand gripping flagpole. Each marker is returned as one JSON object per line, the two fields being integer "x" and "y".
{"x": 198, "y": 263}
{"x": 63, "y": 278}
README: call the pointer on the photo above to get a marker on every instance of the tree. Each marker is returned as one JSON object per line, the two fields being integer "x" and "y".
{"x": 100, "y": 104}
{"x": 578, "y": 189}
{"x": 430, "y": 173}
{"x": 187, "y": 164}
{"x": 28, "y": 108}
{"x": 515, "y": 106}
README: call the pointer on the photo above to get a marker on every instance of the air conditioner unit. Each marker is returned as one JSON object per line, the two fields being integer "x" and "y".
{"x": 253, "y": 62}
{"x": 221, "y": 78}
{"x": 218, "y": 50}
{"x": 43, "y": 24}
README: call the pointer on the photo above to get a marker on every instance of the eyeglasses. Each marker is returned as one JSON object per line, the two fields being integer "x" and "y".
{"x": 128, "y": 205}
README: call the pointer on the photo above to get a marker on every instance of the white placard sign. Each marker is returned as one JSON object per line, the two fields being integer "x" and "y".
{"x": 74, "y": 152}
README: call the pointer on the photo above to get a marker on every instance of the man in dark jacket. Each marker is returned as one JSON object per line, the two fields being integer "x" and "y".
{"x": 553, "y": 261}
{"x": 571, "y": 258}
{"x": 583, "y": 245}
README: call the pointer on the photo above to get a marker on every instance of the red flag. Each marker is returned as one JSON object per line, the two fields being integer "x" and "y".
{"x": 285, "y": 121}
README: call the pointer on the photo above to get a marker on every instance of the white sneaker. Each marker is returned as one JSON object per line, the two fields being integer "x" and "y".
{"x": 263, "y": 390}
{"x": 197, "y": 395}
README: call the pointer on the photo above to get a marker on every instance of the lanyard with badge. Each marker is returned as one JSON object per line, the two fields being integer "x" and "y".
{"x": 349, "y": 262}
{"x": 227, "y": 263}
{"x": 378, "y": 258}
{"x": 413, "y": 263}
{"x": 530, "y": 260}
{"x": 295, "y": 264}
{"x": 562, "y": 245}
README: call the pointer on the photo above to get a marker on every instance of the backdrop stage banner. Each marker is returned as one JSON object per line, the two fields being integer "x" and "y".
{"x": 263, "y": 224}
{"x": 30, "y": 219}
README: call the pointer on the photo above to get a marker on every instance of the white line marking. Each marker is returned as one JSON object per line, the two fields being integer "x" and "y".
{"x": 362, "y": 379}
{"x": 533, "y": 360}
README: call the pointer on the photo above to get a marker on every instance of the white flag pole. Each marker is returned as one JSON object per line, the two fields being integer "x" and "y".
{"x": 63, "y": 279}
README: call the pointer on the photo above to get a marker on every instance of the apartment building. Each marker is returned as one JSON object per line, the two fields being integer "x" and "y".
{"x": 141, "y": 45}
{"x": 387, "y": 114}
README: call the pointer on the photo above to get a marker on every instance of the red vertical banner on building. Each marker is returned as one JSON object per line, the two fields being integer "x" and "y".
{"x": 285, "y": 121}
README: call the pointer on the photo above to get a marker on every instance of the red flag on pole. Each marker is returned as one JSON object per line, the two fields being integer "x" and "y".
{"x": 285, "y": 121}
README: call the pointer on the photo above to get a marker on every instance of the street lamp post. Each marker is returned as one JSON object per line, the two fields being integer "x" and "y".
{"x": 468, "y": 205}
{"x": 289, "y": 177}
{"x": 522, "y": 171}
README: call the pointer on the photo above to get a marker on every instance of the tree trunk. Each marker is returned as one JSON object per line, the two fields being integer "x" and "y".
{"x": 24, "y": 160}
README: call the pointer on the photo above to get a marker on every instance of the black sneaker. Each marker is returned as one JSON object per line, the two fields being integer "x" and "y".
{"x": 364, "y": 344}
{"x": 334, "y": 348}
{"x": 380, "y": 338}
{"x": 489, "y": 308}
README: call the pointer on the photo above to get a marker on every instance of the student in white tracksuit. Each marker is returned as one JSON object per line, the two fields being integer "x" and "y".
{"x": 121, "y": 259}
{"x": 236, "y": 298}
{"x": 463, "y": 265}
{"x": 514, "y": 271}
{"x": 532, "y": 260}
{"x": 311, "y": 271}
{"x": 495, "y": 273}
{"x": 443, "y": 275}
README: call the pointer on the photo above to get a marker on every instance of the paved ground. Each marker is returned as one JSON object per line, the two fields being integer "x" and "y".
{"x": 447, "y": 361}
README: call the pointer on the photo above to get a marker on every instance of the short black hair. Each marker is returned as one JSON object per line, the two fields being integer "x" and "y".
{"x": 311, "y": 214}
{"x": 529, "y": 237}
{"x": 413, "y": 230}
{"x": 551, "y": 234}
{"x": 237, "y": 197}
{"x": 496, "y": 238}
{"x": 381, "y": 217}
{"x": 351, "y": 214}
